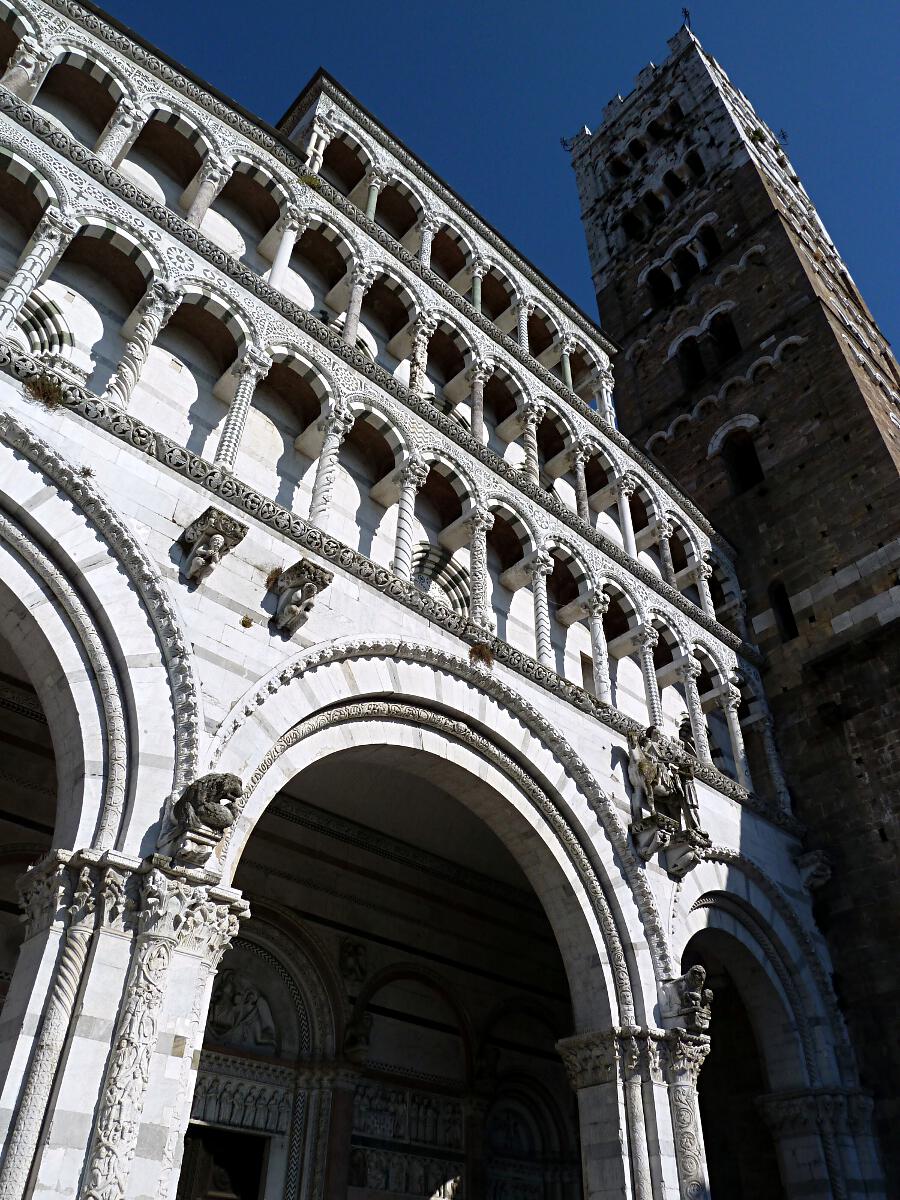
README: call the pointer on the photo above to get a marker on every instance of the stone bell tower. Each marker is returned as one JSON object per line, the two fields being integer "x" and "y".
{"x": 754, "y": 373}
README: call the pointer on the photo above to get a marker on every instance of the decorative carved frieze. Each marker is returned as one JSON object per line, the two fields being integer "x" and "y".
{"x": 207, "y": 540}
{"x": 297, "y": 588}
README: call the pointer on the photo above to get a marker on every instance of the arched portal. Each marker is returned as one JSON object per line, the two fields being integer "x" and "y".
{"x": 398, "y": 947}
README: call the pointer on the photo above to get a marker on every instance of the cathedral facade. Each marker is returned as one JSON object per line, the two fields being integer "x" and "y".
{"x": 394, "y": 806}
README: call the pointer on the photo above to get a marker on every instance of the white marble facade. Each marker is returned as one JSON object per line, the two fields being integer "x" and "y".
{"x": 330, "y": 596}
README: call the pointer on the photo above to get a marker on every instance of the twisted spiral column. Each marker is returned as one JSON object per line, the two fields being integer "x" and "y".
{"x": 253, "y": 367}
{"x": 51, "y": 236}
{"x": 412, "y": 477}
{"x": 524, "y": 309}
{"x": 50, "y": 1043}
{"x": 647, "y": 639}
{"x": 702, "y": 575}
{"x": 539, "y": 567}
{"x": 664, "y": 530}
{"x": 154, "y": 311}
{"x": 428, "y": 227}
{"x": 532, "y": 414}
{"x": 581, "y": 455}
{"x": 603, "y": 394}
{"x": 335, "y": 428}
{"x": 424, "y": 327}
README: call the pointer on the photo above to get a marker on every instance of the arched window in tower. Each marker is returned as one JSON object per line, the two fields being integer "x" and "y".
{"x": 710, "y": 242}
{"x": 675, "y": 184}
{"x": 637, "y": 149}
{"x": 633, "y": 226}
{"x": 690, "y": 362}
{"x": 724, "y": 337}
{"x": 741, "y": 461}
{"x": 695, "y": 164}
{"x": 618, "y": 167}
{"x": 686, "y": 265}
{"x": 654, "y": 206}
{"x": 675, "y": 112}
{"x": 661, "y": 287}
{"x": 657, "y": 130}
{"x": 784, "y": 614}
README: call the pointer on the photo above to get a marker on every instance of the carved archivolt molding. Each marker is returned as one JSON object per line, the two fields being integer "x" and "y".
{"x": 114, "y": 724}
{"x": 174, "y": 646}
{"x": 543, "y": 730}
{"x": 785, "y": 909}
{"x": 383, "y": 710}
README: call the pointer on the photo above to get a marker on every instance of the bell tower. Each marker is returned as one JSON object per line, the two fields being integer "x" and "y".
{"x": 753, "y": 372}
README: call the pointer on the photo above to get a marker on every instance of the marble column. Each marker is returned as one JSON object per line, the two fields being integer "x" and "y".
{"x": 183, "y": 929}
{"x": 480, "y": 268}
{"x": 424, "y": 327}
{"x": 684, "y": 1055}
{"x": 155, "y": 309}
{"x": 334, "y": 427}
{"x": 121, "y": 129}
{"x": 26, "y": 68}
{"x": 290, "y": 225}
{"x": 702, "y": 575}
{"x": 582, "y": 453}
{"x": 376, "y": 181}
{"x": 664, "y": 530}
{"x": 478, "y": 375}
{"x": 412, "y": 477}
{"x": 524, "y": 309}
{"x": 479, "y": 524}
{"x": 689, "y": 672}
{"x": 361, "y": 279}
{"x": 428, "y": 227}
{"x": 50, "y": 238}
{"x": 567, "y": 346}
{"x": 668, "y": 269}
{"x": 626, "y": 485}
{"x": 532, "y": 414}
{"x": 321, "y": 134}
{"x": 597, "y": 605}
{"x": 253, "y": 366}
{"x": 214, "y": 174}
{"x": 539, "y": 567}
{"x": 730, "y": 701}
{"x": 647, "y": 638}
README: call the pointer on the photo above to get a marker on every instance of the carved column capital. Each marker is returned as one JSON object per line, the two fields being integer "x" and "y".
{"x": 378, "y": 178}
{"x": 540, "y": 563}
{"x": 160, "y": 300}
{"x": 339, "y": 419}
{"x": 196, "y": 918}
{"x": 597, "y": 602}
{"x": 253, "y": 365}
{"x": 413, "y": 473}
{"x": 363, "y": 275}
{"x": 294, "y": 219}
{"x": 480, "y": 371}
{"x": 215, "y": 171}
{"x": 524, "y": 305}
{"x": 627, "y": 484}
{"x": 583, "y": 450}
{"x": 689, "y": 668}
{"x": 647, "y": 635}
{"x": 684, "y": 1055}
{"x": 568, "y": 344}
{"x": 729, "y": 699}
{"x": 480, "y": 520}
{"x": 533, "y": 411}
{"x": 429, "y": 223}
{"x": 590, "y": 1059}
{"x": 480, "y": 268}
{"x": 208, "y": 539}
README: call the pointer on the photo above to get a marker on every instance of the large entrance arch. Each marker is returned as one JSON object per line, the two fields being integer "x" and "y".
{"x": 387, "y": 1022}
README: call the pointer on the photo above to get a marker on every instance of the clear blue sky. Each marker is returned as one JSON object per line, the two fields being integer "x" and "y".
{"x": 482, "y": 91}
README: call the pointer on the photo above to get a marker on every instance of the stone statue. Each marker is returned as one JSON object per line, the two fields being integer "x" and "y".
{"x": 665, "y": 811}
{"x": 207, "y": 540}
{"x": 690, "y": 998}
{"x": 352, "y": 962}
{"x": 199, "y": 819}
{"x": 207, "y": 555}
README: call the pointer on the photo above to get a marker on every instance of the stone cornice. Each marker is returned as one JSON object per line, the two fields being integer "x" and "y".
{"x": 55, "y": 139}
{"x": 228, "y": 488}
{"x": 280, "y": 148}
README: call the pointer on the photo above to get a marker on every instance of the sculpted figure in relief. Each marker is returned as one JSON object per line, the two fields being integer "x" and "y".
{"x": 660, "y": 784}
{"x": 240, "y": 1014}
